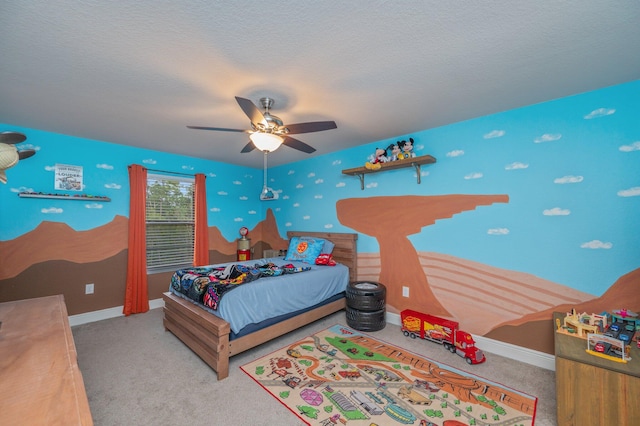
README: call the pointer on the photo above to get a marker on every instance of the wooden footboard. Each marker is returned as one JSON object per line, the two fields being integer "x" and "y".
{"x": 204, "y": 333}
{"x": 208, "y": 335}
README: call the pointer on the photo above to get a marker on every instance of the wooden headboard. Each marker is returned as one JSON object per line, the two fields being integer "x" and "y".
{"x": 345, "y": 250}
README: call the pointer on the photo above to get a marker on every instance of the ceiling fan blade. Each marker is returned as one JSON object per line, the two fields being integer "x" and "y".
{"x": 299, "y": 145}
{"x": 222, "y": 129}
{"x": 26, "y": 153}
{"x": 252, "y": 111}
{"x": 12, "y": 137}
{"x": 248, "y": 147}
{"x": 314, "y": 126}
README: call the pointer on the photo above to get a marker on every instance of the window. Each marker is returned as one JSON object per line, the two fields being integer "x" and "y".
{"x": 170, "y": 222}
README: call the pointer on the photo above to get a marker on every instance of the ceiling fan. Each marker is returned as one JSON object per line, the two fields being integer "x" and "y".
{"x": 268, "y": 132}
{"x": 9, "y": 154}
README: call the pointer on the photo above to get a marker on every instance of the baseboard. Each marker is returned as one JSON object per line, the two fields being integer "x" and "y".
{"x": 507, "y": 350}
{"x": 107, "y": 313}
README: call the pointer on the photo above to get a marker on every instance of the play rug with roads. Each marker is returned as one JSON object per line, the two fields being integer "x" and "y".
{"x": 342, "y": 376}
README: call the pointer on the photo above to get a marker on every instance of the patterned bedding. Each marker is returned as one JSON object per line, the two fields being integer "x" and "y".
{"x": 279, "y": 288}
{"x": 207, "y": 285}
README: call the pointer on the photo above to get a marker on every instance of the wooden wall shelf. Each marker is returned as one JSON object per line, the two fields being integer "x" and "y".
{"x": 78, "y": 197}
{"x": 415, "y": 162}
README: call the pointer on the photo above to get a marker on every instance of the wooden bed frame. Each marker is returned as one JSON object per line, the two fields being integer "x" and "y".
{"x": 208, "y": 335}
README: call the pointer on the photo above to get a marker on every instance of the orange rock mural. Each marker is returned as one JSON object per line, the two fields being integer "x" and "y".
{"x": 400, "y": 264}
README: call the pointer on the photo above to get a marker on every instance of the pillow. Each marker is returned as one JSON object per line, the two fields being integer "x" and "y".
{"x": 304, "y": 249}
{"x": 328, "y": 247}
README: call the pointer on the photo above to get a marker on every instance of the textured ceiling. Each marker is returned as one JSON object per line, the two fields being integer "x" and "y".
{"x": 136, "y": 73}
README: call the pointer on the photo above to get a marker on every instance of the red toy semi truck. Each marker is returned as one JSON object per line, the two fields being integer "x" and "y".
{"x": 442, "y": 331}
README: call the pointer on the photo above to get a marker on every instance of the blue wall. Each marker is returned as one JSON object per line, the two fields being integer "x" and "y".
{"x": 571, "y": 168}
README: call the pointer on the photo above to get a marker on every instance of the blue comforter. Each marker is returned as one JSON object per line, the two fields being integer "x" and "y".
{"x": 271, "y": 296}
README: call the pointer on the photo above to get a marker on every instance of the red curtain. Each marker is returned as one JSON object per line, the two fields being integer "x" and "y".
{"x": 136, "y": 299}
{"x": 201, "y": 246}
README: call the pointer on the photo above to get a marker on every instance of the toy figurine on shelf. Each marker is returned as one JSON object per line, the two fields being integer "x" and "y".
{"x": 407, "y": 149}
{"x": 376, "y": 160}
{"x": 394, "y": 150}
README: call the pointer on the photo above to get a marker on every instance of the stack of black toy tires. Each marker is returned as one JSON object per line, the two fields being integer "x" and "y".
{"x": 366, "y": 305}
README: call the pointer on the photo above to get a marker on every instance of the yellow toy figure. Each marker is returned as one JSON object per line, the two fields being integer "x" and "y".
{"x": 407, "y": 149}
{"x": 376, "y": 160}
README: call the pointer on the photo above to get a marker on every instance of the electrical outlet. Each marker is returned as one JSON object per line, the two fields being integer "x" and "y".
{"x": 405, "y": 291}
{"x": 88, "y": 289}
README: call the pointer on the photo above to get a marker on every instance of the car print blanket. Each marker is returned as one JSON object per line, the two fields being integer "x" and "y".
{"x": 206, "y": 285}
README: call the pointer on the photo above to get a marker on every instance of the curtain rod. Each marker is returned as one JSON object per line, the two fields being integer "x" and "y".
{"x": 171, "y": 173}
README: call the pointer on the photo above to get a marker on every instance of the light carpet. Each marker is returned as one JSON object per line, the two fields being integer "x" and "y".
{"x": 342, "y": 376}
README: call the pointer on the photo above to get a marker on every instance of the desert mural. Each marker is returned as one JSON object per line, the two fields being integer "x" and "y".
{"x": 500, "y": 304}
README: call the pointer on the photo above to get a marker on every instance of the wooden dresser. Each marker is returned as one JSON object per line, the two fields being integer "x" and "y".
{"x": 592, "y": 390}
{"x": 40, "y": 382}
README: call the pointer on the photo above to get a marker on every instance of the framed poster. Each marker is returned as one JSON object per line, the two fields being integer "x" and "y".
{"x": 68, "y": 178}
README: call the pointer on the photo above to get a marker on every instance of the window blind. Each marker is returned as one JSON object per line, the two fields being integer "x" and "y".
{"x": 170, "y": 222}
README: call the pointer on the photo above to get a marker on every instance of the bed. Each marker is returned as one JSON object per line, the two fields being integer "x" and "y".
{"x": 211, "y": 337}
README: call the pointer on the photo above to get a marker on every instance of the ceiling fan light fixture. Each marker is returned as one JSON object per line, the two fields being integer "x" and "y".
{"x": 266, "y": 141}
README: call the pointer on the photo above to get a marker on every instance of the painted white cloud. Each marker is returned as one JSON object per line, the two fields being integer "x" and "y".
{"x": 307, "y": 217}
{"x": 600, "y": 112}
{"x": 50, "y": 168}
{"x": 52, "y": 210}
{"x": 556, "y": 211}
{"x": 568, "y": 179}
{"x": 244, "y": 197}
{"x": 372, "y": 185}
{"x": 237, "y": 182}
{"x": 238, "y": 219}
{"x": 187, "y": 167}
{"x": 494, "y": 134}
{"x": 112, "y": 186}
{"x": 328, "y": 226}
{"x": 341, "y": 185}
{"x": 286, "y": 197}
{"x": 277, "y": 209}
{"x": 635, "y": 146}
{"x": 548, "y": 137}
{"x": 222, "y": 193}
{"x": 317, "y": 197}
{"x": 423, "y": 173}
{"x": 149, "y": 161}
{"x": 104, "y": 166}
{"x": 299, "y": 186}
{"x": 93, "y": 206}
{"x": 252, "y": 212}
{"x": 474, "y": 176}
{"x": 455, "y": 153}
{"x": 516, "y": 166}
{"x": 291, "y": 172}
{"x": 214, "y": 209}
{"x": 631, "y": 192}
{"x": 310, "y": 175}
{"x": 596, "y": 244}
{"x": 24, "y": 146}
{"x": 288, "y": 224}
{"x": 296, "y": 204}
{"x": 212, "y": 175}
{"x": 21, "y": 189}
{"x": 336, "y": 162}
{"x": 498, "y": 231}
{"x": 319, "y": 181}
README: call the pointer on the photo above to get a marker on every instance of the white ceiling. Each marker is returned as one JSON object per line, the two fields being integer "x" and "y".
{"x": 137, "y": 72}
